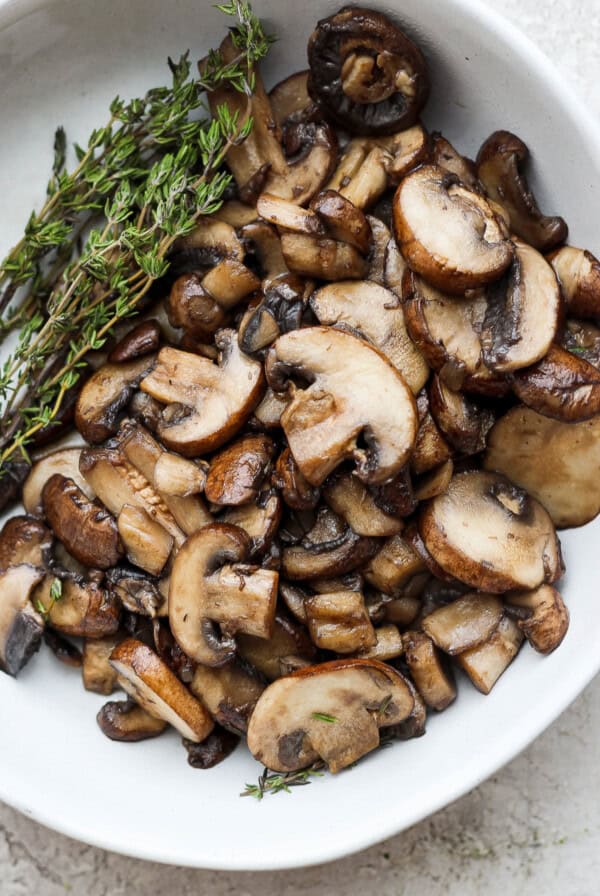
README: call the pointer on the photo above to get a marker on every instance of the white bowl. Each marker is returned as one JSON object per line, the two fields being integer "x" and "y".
{"x": 62, "y": 62}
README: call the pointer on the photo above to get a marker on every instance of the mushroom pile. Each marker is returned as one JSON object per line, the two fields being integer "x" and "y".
{"x": 323, "y": 472}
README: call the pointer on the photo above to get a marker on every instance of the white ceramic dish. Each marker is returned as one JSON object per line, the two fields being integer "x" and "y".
{"x": 62, "y": 62}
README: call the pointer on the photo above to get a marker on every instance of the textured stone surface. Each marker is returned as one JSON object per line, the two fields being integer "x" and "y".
{"x": 534, "y": 828}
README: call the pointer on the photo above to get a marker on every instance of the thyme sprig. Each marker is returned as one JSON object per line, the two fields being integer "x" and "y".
{"x": 141, "y": 183}
{"x": 273, "y": 782}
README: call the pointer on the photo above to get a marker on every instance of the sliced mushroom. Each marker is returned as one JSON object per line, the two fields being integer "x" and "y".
{"x": 463, "y": 422}
{"x": 464, "y": 623}
{"x": 313, "y": 150}
{"x": 393, "y": 566}
{"x": 21, "y": 626}
{"x": 354, "y": 391}
{"x": 150, "y": 682}
{"x": 413, "y": 537}
{"x": 83, "y": 609}
{"x": 142, "y": 340}
{"x": 229, "y": 281}
{"x": 105, "y": 395}
{"x": 145, "y": 410}
{"x": 431, "y": 449}
{"x": 237, "y": 471}
{"x": 289, "y": 98}
{"x": 88, "y": 531}
{"x": 280, "y": 311}
{"x": 376, "y": 313}
{"x": 522, "y": 313}
{"x": 64, "y": 461}
{"x": 485, "y": 664}
{"x": 125, "y": 721}
{"x": 339, "y": 621}
{"x": 259, "y": 520}
{"x": 345, "y": 222}
{"x": 176, "y": 476}
{"x": 147, "y": 544}
{"x": 361, "y": 175}
{"x": 295, "y": 489}
{"x": 209, "y": 242}
{"x": 435, "y": 482}
{"x": 404, "y": 610}
{"x": 64, "y": 651}
{"x": 327, "y": 550}
{"x": 193, "y": 309}
{"x": 137, "y": 592}
{"x": 542, "y": 617}
{"x": 350, "y": 498}
{"x": 230, "y": 693}
{"x": 24, "y": 539}
{"x": 286, "y": 215}
{"x": 394, "y": 267}
{"x": 499, "y": 169}
{"x": 432, "y": 677}
{"x": 414, "y": 725}
{"x": 561, "y": 385}
{"x": 236, "y": 213}
{"x": 267, "y": 414}
{"x": 97, "y": 673}
{"x": 396, "y": 497}
{"x": 490, "y": 534}
{"x": 219, "y": 744}
{"x": 446, "y": 156}
{"x": 448, "y": 233}
{"x": 555, "y": 462}
{"x": 322, "y": 258}
{"x": 381, "y": 237}
{"x": 288, "y": 640}
{"x": 209, "y": 585}
{"x": 206, "y": 403}
{"x": 332, "y": 711}
{"x": 366, "y": 74}
{"x": 408, "y": 149}
{"x": 264, "y": 241}
{"x": 388, "y": 644}
{"x": 15, "y": 473}
{"x": 578, "y": 273}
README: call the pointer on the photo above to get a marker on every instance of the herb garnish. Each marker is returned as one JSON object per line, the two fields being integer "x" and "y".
{"x": 56, "y": 593}
{"x": 273, "y": 782}
{"x": 323, "y": 717}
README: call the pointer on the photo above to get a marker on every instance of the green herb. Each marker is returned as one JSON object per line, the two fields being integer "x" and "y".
{"x": 323, "y": 717}
{"x": 56, "y": 593}
{"x": 141, "y": 182}
{"x": 577, "y": 350}
{"x": 382, "y": 709}
{"x": 271, "y": 782}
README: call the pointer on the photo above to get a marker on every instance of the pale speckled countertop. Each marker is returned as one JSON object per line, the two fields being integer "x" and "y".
{"x": 532, "y": 829}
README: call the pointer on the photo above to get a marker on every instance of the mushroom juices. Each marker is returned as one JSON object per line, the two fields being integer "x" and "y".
{"x": 326, "y": 466}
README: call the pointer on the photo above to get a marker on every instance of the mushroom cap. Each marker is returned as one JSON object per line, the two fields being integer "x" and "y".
{"x": 290, "y": 727}
{"x": 237, "y": 471}
{"x": 64, "y": 461}
{"x": 561, "y": 385}
{"x": 125, "y": 721}
{"x": 545, "y": 618}
{"x": 21, "y": 626}
{"x": 105, "y": 395}
{"x": 578, "y": 273}
{"x": 353, "y": 391}
{"x": 24, "y": 539}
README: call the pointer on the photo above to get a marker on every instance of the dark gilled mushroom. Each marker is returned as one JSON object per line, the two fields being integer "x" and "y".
{"x": 448, "y": 233}
{"x": 24, "y": 540}
{"x": 206, "y": 403}
{"x": 332, "y": 711}
{"x": 555, "y": 462}
{"x": 66, "y": 462}
{"x": 21, "y": 626}
{"x": 230, "y": 693}
{"x": 288, "y": 640}
{"x": 237, "y": 471}
{"x": 88, "y": 531}
{"x": 84, "y": 609}
{"x": 279, "y": 311}
{"x": 365, "y": 73}
{"x": 490, "y": 534}
{"x": 485, "y": 664}
{"x": 211, "y": 585}
{"x": 561, "y": 385}
{"x": 125, "y": 721}
{"x": 541, "y": 615}
{"x": 499, "y": 168}
{"x": 578, "y": 273}
{"x": 432, "y": 677}
{"x": 106, "y": 395}
{"x": 324, "y": 422}
{"x": 463, "y": 422}
{"x": 138, "y": 592}
{"x": 330, "y": 548}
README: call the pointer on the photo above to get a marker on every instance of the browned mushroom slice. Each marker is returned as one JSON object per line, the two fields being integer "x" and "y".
{"x": 289, "y": 98}
{"x": 324, "y": 422}
{"x": 445, "y": 156}
{"x": 394, "y": 267}
{"x": 206, "y": 403}
{"x": 21, "y": 626}
{"x": 259, "y": 520}
{"x": 561, "y": 385}
{"x": 125, "y": 721}
{"x": 64, "y": 461}
{"x": 312, "y": 147}
{"x": 432, "y": 677}
{"x": 88, "y": 531}
{"x": 295, "y": 489}
{"x": 322, "y": 258}
{"x": 542, "y": 616}
{"x": 338, "y": 621}
{"x": 332, "y": 711}
{"x": 522, "y": 313}
{"x": 578, "y": 273}
{"x": 145, "y": 410}
{"x": 142, "y": 340}
{"x": 462, "y": 421}
{"x": 393, "y": 566}
{"x": 150, "y": 682}
{"x": 381, "y": 236}
{"x": 448, "y": 233}
{"x": 345, "y": 222}
{"x": 435, "y": 482}
{"x": 404, "y": 610}
{"x": 388, "y": 644}
{"x": 209, "y": 242}
{"x": 499, "y": 168}
{"x": 464, "y": 623}
{"x": 485, "y": 664}
{"x": 214, "y": 749}
{"x": 147, "y": 544}
{"x": 288, "y": 640}
{"x": 178, "y": 477}
{"x": 229, "y": 282}
{"x": 237, "y": 471}
{"x": 407, "y": 149}
{"x": 191, "y": 308}
{"x": 230, "y": 693}
{"x": 376, "y": 313}
{"x": 267, "y": 414}
{"x": 286, "y": 215}
{"x": 24, "y": 539}
{"x": 327, "y": 550}
{"x": 414, "y": 725}
{"x": 431, "y": 449}
{"x": 77, "y": 606}
{"x": 396, "y": 497}
{"x": 413, "y": 537}
{"x": 97, "y": 673}
{"x": 236, "y": 213}
{"x": 361, "y": 175}
{"x": 263, "y": 240}
{"x": 350, "y": 498}
{"x": 555, "y": 462}
{"x": 138, "y": 592}
{"x": 211, "y": 584}
{"x": 490, "y": 534}
{"x": 105, "y": 395}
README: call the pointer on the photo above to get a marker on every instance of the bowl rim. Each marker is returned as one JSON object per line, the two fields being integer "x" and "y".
{"x": 508, "y": 745}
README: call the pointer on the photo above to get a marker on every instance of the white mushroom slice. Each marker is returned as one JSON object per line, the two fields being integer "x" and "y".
{"x": 321, "y": 257}
{"x": 561, "y": 385}
{"x": 332, "y": 711}
{"x": 349, "y": 164}
{"x": 178, "y": 477}
{"x": 377, "y": 314}
{"x": 146, "y": 678}
{"x": 394, "y": 267}
{"x": 578, "y": 273}
{"x": 97, "y": 673}
{"x": 229, "y": 693}
{"x": 105, "y": 395}
{"x": 433, "y": 679}
{"x": 448, "y": 233}
{"x": 306, "y": 176}
{"x": 345, "y": 222}
{"x": 392, "y": 568}
{"x": 354, "y": 391}
{"x": 206, "y": 403}
{"x": 464, "y": 623}
{"x": 315, "y": 559}
{"x": 21, "y": 626}
{"x": 490, "y": 534}
{"x": 229, "y": 281}
{"x": 64, "y": 461}
{"x": 485, "y": 664}
{"x": 361, "y": 174}
{"x": 147, "y": 544}
{"x": 542, "y": 617}
{"x": 288, "y": 640}
{"x": 388, "y": 644}
{"x": 210, "y": 584}
{"x": 350, "y": 498}
{"x": 406, "y": 150}
{"x": 522, "y": 313}
{"x": 555, "y": 462}
{"x": 286, "y": 215}
{"x": 268, "y": 412}
{"x": 339, "y": 621}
